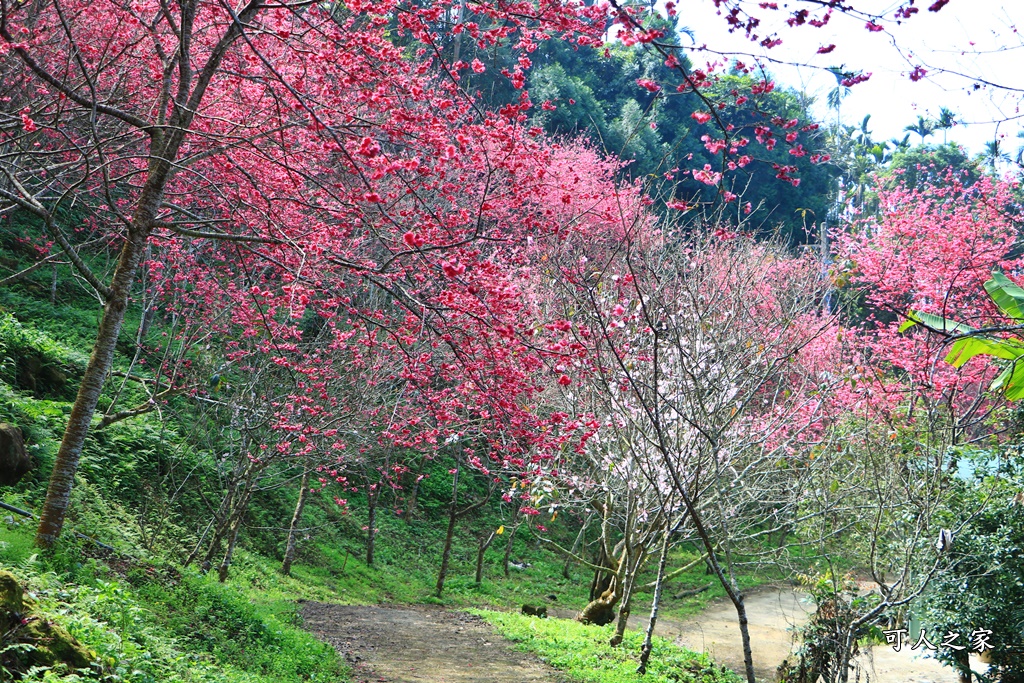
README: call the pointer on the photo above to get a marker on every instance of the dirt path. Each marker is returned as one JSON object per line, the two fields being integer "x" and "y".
{"x": 424, "y": 644}
{"x": 771, "y": 614}
{"x": 417, "y": 644}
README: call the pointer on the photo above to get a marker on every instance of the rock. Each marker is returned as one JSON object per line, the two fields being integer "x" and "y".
{"x": 54, "y": 645}
{"x": 42, "y": 376}
{"x": 540, "y": 611}
{"x": 10, "y": 593}
{"x": 51, "y": 643}
{"x": 14, "y": 459}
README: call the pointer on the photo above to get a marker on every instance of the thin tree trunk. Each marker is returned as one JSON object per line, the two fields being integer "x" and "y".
{"x": 202, "y": 537}
{"x": 62, "y": 479}
{"x": 645, "y": 650}
{"x": 484, "y": 545}
{"x": 575, "y": 546}
{"x": 53, "y": 287}
{"x": 233, "y": 522}
{"x": 963, "y": 665}
{"x": 372, "y": 499}
{"x": 240, "y": 515}
{"x": 632, "y": 565}
{"x": 410, "y": 502}
{"x": 147, "y": 304}
{"x": 748, "y": 655}
{"x": 732, "y": 591}
{"x": 164, "y": 147}
{"x": 511, "y": 537}
{"x": 289, "y": 550}
{"x": 223, "y": 518}
{"x": 222, "y": 571}
{"x": 449, "y": 535}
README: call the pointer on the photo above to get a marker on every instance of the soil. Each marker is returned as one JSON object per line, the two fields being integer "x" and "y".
{"x": 425, "y": 644}
{"x": 772, "y": 613}
{"x": 421, "y": 644}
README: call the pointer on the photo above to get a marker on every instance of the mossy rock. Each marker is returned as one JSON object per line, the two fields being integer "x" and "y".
{"x": 54, "y": 645}
{"x": 10, "y": 593}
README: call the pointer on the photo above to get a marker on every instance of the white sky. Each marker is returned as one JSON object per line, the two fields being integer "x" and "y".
{"x": 940, "y": 41}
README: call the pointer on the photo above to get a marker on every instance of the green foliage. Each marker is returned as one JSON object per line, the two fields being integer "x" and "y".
{"x": 1009, "y": 298}
{"x": 583, "y": 654}
{"x": 33, "y": 361}
{"x": 174, "y": 628}
{"x": 930, "y": 164}
{"x": 983, "y": 588}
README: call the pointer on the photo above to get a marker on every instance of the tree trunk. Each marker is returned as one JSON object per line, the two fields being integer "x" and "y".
{"x": 511, "y": 537}
{"x": 251, "y": 478}
{"x": 632, "y": 566}
{"x": 371, "y": 531}
{"x": 62, "y": 479}
{"x": 164, "y": 147}
{"x": 289, "y": 550}
{"x": 605, "y": 591}
{"x": 645, "y": 650}
{"x": 575, "y": 547}
{"x": 410, "y": 501}
{"x": 748, "y": 655}
{"x": 53, "y": 286}
{"x": 449, "y": 535}
{"x": 147, "y": 303}
{"x": 963, "y": 665}
{"x": 226, "y": 514}
{"x": 732, "y": 591}
{"x": 601, "y": 610}
{"x": 222, "y": 571}
{"x": 484, "y": 545}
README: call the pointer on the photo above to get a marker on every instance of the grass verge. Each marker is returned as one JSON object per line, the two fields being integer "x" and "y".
{"x": 582, "y": 652}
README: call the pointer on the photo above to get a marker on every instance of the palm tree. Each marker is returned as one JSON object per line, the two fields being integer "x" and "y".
{"x": 900, "y": 145}
{"x": 836, "y": 95}
{"x": 878, "y": 151}
{"x": 946, "y": 120}
{"x": 924, "y": 127}
{"x": 864, "y": 135}
{"x": 994, "y": 153}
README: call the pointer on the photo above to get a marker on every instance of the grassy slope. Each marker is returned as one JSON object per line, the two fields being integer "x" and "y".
{"x": 149, "y": 620}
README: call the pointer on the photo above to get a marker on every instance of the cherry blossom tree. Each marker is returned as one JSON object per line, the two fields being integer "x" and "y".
{"x": 295, "y": 132}
{"x": 700, "y": 360}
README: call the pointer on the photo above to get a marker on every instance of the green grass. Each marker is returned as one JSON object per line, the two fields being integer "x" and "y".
{"x": 158, "y": 624}
{"x": 582, "y": 652}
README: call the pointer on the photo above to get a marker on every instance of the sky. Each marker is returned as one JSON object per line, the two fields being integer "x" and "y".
{"x": 967, "y": 40}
